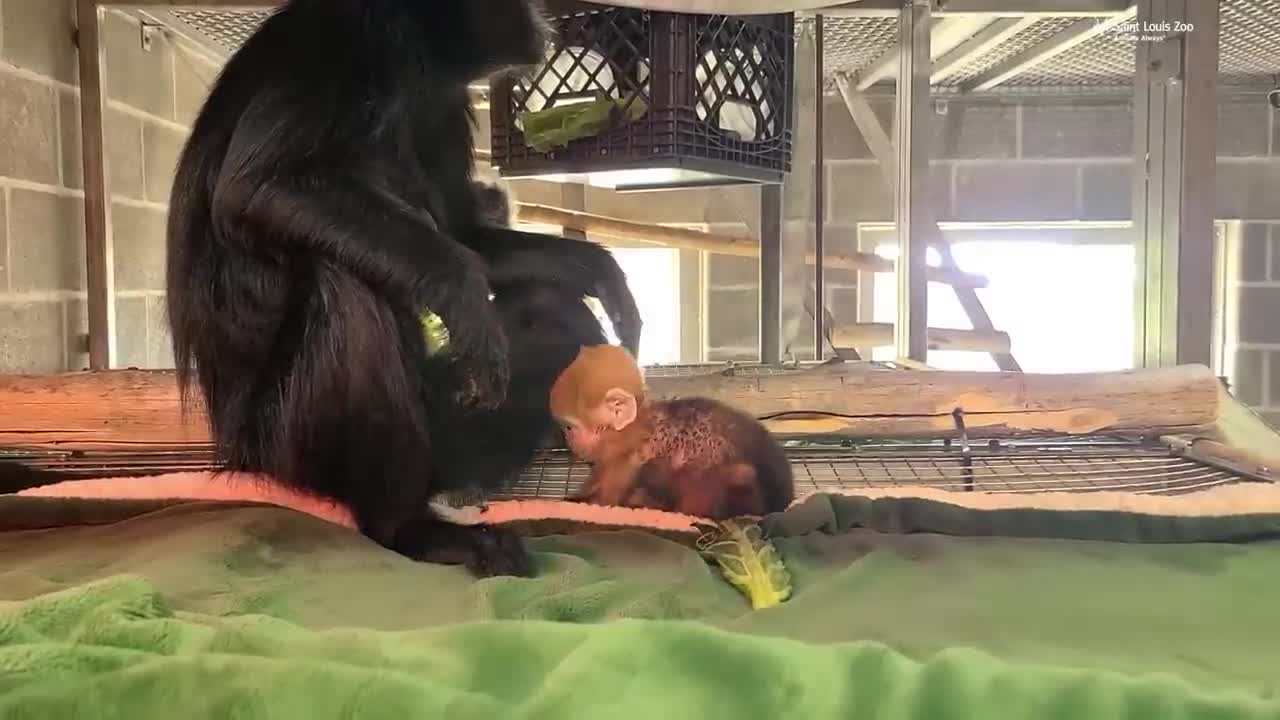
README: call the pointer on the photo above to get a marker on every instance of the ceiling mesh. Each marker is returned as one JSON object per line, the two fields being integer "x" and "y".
{"x": 1249, "y": 45}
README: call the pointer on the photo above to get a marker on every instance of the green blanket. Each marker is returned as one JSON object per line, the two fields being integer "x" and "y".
{"x": 193, "y": 610}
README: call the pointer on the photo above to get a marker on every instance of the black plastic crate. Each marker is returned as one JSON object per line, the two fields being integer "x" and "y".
{"x": 718, "y": 90}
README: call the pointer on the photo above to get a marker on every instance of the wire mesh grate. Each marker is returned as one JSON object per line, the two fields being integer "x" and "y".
{"x": 1004, "y": 467}
{"x": 1249, "y": 45}
{"x": 1018, "y": 465}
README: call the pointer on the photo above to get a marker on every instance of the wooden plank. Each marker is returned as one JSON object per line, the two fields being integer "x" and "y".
{"x": 871, "y": 335}
{"x": 740, "y": 246}
{"x": 139, "y": 408}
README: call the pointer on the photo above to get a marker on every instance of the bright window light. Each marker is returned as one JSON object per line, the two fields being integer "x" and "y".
{"x": 1068, "y": 307}
{"x": 654, "y": 276}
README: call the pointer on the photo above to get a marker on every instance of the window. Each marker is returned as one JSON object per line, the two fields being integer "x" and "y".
{"x": 654, "y": 275}
{"x": 1065, "y": 296}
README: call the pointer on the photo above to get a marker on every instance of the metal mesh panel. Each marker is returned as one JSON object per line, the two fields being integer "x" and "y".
{"x": 1250, "y": 38}
{"x": 851, "y": 43}
{"x": 1022, "y": 41}
{"x": 229, "y": 28}
{"x": 1106, "y": 59}
{"x": 1021, "y": 465}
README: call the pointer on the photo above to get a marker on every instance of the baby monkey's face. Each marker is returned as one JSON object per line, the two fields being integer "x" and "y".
{"x": 583, "y": 434}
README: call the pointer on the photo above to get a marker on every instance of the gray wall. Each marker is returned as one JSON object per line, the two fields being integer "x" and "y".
{"x": 152, "y": 96}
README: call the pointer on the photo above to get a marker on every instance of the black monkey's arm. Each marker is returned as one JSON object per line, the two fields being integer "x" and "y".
{"x": 582, "y": 266}
{"x": 392, "y": 246}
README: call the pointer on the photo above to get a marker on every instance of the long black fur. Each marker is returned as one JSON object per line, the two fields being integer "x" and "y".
{"x": 322, "y": 201}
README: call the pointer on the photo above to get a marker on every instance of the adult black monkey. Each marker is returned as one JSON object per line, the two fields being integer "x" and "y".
{"x": 322, "y": 201}
{"x": 545, "y": 324}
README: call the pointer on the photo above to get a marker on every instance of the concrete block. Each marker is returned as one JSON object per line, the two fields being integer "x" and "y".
{"x": 1107, "y": 192}
{"x": 1248, "y": 190}
{"x": 1080, "y": 128}
{"x": 139, "y": 237}
{"x": 134, "y": 76}
{"x": 122, "y": 135}
{"x": 193, "y": 77}
{"x": 841, "y": 138}
{"x": 977, "y": 129}
{"x": 28, "y": 145}
{"x": 733, "y": 318}
{"x": 1275, "y": 251}
{"x": 159, "y": 340}
{"x": 39, "y": 35}
{"x": 46, "y": 244}
{"x": 1260, "y": 314}
{"x": 77, "y": 332}
{"x": 1246, "y": 380}
{"x": 727, "y": 272}
{"x": 1253, "y": 252}
{"x": 69, "y": 137}
{"x": 131, "y": 332}
{"x": 1242, "y": 126}
{"x": 160, "y": 149}
{"x": 857, "y": 192}
{"x": 1015, "y": 191}
{"x": 32, "y": 339}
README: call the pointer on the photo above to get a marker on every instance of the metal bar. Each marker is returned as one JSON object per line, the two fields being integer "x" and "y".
{"x": 771, "y": 338}
{"x": 911, "y": 194}
{"x": 983, "y": 42}
{"x": 878, "y": 141}
{"x": 99, "y": 271}
{"x": 944, "y": 35}
{"x": 993, "y": 8}
{"x": 1175, "y": 128}
{"x": 1076, "y": 33}
{"x": 819, "y": 199}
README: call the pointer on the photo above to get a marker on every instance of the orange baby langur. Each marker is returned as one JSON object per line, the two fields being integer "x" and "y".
{"x": 693, "y": 455}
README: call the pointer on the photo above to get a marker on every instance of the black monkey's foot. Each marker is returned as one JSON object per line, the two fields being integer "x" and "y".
{"x": 484, "y": 550}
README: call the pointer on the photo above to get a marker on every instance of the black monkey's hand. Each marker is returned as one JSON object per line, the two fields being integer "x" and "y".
{"x": 481, "y": 362}
{"x": 585, "y": 267}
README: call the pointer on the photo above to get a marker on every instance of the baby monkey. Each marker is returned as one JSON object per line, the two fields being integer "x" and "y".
{"x": 692, "y": 455}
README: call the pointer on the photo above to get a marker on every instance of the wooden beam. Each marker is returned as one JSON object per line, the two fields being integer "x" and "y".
{"x": 99, "y": 274}
{"x": 866, "y": 335}
{"x": 740, "y": 246}
{"x": 140, "y": 409}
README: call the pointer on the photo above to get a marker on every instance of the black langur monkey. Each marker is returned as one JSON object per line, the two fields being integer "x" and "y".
{"x": 545, "y": 325}
{"x": 321, "y": 204}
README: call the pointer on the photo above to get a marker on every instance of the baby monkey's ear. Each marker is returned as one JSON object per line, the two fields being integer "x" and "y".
{"x": 621, "y": 407}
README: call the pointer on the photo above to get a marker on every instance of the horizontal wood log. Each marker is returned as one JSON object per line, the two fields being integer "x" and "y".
{"x": 740, "y": 246}
{"x": 141, "y": 408}
{"x": 869, "y": 335}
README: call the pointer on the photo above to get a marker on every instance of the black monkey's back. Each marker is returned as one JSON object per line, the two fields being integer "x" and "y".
{"x": 310, "y": 223}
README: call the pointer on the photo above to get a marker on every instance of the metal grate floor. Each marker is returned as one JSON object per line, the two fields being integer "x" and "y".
{"x": 1024, "y": 465}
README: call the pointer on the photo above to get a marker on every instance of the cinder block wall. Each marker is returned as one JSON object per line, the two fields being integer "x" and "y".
{"x": 152, "y": 96}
